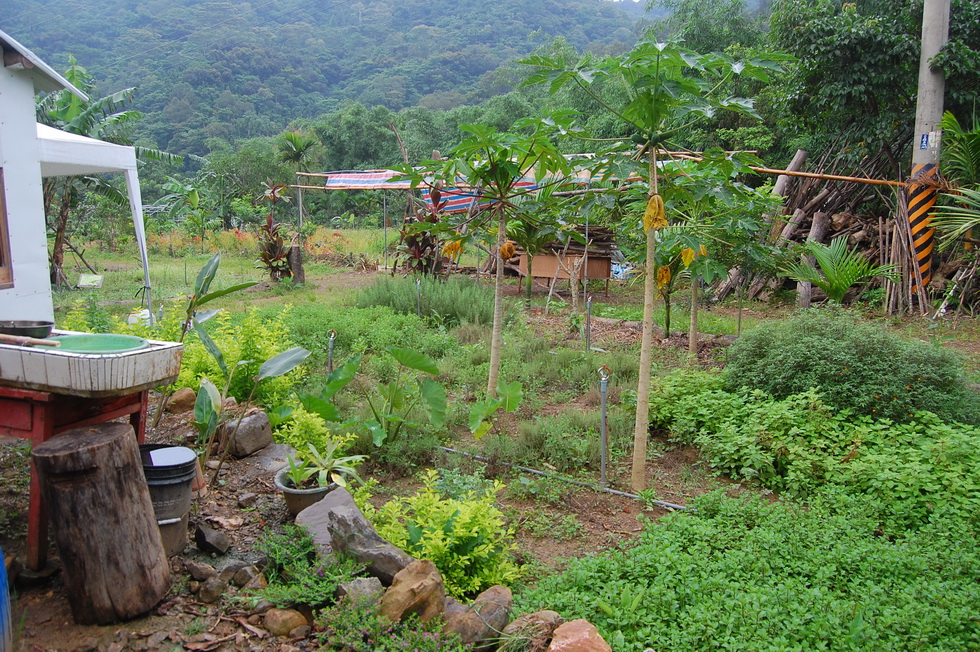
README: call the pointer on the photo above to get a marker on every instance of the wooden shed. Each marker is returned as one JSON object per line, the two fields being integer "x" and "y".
{"x": 556, "y": 260}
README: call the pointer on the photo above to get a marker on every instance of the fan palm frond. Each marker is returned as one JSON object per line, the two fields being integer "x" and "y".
{"x": 841, "y": 268}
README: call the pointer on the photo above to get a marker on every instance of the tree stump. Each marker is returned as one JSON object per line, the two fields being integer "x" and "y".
{"x": 102, "y": 520}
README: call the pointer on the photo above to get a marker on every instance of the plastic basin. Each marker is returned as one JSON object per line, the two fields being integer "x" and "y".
{"x": 101, "y": 343}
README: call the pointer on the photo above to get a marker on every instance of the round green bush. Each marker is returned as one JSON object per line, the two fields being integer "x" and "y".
{"x": 854, "y": 365}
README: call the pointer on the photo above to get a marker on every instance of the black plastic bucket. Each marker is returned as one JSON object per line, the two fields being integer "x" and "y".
{"x": 169, "y": 472}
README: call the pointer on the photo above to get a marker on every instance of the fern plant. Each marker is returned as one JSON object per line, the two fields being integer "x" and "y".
{"x": 840, "y": 268}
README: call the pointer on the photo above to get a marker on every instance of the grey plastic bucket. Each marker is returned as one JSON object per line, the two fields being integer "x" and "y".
{"x": 169, "y": 473}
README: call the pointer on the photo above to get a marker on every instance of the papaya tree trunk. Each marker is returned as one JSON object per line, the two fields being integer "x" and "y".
{"x": 497, "y": 333}
{"x": 642, "y": 427}
{"x": 530, "y": 279}
{"x": 692, "y": 333}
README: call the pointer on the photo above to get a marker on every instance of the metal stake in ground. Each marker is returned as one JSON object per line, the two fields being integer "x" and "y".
{"x": 603, "y": 391}
{"x": 588, "y": 323}
{"x": 333, "y": 336}
{"x": 418, "y": 296}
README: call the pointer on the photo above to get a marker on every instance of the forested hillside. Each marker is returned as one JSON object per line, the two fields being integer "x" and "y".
{"x": 236, "y": 69}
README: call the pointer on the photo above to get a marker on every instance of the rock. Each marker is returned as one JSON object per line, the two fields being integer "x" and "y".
{"x": 360, "y": 588}
{"x": 480, "y": 625}
{"x": 453, "y": 606}
{"x": 193, "y": 586}
{"x": 256, "y": 583}
{"x": 254, "y": 433}
{"x": 537, "y": 628}
{"x": 578, "y": 636}
{"x": 300, "y": 632}
{"x": 182, "y": 400}
{"x": 271, "y": 458}
{"x": 199, "y": 570}
{"x": 209, "y": 540}
{"x": 416, "y": 589}
{"x": 279, "y": 622}
{"x": 230, "y": 568}
{"x": 262, "y": 607}
{"x": 230, "y": 403}
{"x": 337, "y": 525}
{"x": 245, "y": 575}
{"x": 212, "y": 590}
{"x": 247, "y": 499}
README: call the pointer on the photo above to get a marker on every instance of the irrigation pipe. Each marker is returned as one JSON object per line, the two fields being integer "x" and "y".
{"x": 660, "y": 503}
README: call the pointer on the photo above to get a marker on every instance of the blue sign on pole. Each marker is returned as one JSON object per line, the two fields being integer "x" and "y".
{"x": 924, "y": 141}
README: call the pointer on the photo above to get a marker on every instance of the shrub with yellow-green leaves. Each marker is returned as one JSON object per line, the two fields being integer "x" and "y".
{"x": 467, "y": 539}
{"x": 241, "y": 338}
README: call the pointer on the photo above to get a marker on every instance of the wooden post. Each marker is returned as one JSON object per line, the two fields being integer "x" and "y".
{"x": 102, "y": 519}
{"x": 804, "y": 291}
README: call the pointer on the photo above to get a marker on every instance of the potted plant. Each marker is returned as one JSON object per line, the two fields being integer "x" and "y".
{"x": 308, "y": 478}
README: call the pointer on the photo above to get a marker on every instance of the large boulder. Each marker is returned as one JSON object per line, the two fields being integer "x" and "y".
{"x": 481, "y": 624}
{"x": 337, "y": 525}
{"x": 254, "y": 433}
{"x": 578, "y": 636}
{"x": 416, "y": 589}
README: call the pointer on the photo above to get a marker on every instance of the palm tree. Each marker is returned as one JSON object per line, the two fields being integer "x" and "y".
{"x": 297, "y": 149}
{"x": 959, "y": 215}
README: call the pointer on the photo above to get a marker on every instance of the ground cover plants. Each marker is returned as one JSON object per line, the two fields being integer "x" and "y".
{"x": 742, "y": 574}
{"x": 845, "y": 566}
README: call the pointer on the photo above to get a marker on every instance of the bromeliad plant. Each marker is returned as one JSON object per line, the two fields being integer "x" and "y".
{"x": 326, "y": 465}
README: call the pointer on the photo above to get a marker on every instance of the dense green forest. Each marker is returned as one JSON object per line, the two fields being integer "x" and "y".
{"x": 233, "y": 69}
{"x": 250, "y": 93}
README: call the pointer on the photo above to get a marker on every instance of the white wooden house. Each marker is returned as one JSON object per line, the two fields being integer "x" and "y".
{"x": 29, "y": 152}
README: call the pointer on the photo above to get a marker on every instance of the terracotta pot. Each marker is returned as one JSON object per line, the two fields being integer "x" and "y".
{"x": 299, "y": 499}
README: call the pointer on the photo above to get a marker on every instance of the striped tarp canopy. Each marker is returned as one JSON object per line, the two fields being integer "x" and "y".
{"x": 365, "y": 180}
{"x": 458, "y": 199}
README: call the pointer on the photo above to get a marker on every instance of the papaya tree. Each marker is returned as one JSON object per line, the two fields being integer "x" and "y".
{"x": 662, "y": 91}
{"x": 495, "y": 166}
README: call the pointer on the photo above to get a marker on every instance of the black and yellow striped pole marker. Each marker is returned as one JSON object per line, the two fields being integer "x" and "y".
{"x": 921, "y": 199}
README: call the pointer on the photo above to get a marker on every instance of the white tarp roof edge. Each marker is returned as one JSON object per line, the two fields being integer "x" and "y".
{"x": 64, "y": 154}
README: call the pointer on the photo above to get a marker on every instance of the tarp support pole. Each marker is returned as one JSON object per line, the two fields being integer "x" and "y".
{"x": 136, "y": 206}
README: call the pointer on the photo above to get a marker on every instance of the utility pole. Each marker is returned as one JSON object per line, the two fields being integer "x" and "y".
{"x": 926, "y": 143}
